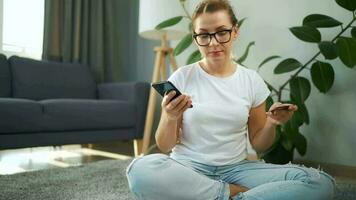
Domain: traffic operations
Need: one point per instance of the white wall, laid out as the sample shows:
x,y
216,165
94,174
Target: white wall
x,y
331,134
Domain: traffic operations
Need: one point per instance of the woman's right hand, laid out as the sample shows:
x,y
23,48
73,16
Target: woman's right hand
x,y
175,108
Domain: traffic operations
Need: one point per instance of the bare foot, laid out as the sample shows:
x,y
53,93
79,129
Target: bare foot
x,y
235,189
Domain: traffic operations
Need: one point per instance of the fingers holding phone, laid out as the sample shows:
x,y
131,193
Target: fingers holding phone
x,y
175,106
280,113
167,98
182,104
282,107
174,102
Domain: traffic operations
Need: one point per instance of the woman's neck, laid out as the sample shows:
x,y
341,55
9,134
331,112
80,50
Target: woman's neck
x,y
221,68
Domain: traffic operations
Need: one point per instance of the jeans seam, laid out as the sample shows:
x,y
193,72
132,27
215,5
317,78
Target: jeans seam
x,y
329,176
223,192
278,166
128,169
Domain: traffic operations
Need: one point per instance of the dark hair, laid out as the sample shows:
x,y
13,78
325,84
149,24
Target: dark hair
x,y
210,6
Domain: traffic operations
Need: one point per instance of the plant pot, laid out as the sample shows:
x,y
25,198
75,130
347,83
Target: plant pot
x,y
279,155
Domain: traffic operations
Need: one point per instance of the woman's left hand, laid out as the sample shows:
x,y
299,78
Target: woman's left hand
x,y
280,116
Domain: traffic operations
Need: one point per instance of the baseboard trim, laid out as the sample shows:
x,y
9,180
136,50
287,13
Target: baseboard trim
x,y
332,169
335,170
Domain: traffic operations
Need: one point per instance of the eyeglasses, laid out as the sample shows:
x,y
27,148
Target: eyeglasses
x,y
204,39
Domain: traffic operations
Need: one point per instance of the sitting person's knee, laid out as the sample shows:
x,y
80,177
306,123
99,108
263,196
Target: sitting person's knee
x,y
140,164
146,166
327,184
143,171
297,173
322,181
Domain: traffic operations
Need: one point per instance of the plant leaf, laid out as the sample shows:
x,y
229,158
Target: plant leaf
x,y
269,102
244,56
306,33
304,112
287,65
353,32
240,22
322,76
293,135
290,129
328,49
183,44
320,21
300,143
194,57
347,50
347,4
287,144
267,60
169,22
299,89
297,120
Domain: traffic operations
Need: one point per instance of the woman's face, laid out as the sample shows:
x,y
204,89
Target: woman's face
x,y
211,23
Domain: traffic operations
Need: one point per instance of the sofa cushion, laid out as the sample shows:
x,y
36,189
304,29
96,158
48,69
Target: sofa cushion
x,y
20,115
40,80
28,116
75,114
5,77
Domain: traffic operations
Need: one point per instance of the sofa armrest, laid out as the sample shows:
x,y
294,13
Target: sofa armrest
x,y
134,92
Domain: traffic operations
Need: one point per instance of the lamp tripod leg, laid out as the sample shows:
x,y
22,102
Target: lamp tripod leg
x,y
172,60
159,73
151,105
163,67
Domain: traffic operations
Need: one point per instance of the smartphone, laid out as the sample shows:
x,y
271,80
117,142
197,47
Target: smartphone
x,y
164,87
282,107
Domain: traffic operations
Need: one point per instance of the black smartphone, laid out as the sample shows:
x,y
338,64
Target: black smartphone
x,y
164,87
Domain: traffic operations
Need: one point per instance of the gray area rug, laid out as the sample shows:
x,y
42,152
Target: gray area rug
x,y
102,180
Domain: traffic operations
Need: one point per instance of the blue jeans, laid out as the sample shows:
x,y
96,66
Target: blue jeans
x,y
159,177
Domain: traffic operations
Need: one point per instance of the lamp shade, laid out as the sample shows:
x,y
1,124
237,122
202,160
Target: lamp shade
x,y
153,12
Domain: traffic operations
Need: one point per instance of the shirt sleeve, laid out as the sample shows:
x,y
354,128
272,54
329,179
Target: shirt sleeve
x,y
260,90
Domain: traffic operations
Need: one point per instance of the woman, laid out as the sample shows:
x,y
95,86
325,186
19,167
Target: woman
x,y
208,141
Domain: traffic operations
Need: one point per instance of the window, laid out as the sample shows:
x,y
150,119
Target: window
x,y
21,25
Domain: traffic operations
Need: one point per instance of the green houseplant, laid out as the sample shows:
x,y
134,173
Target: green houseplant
x,y
288,136
322,75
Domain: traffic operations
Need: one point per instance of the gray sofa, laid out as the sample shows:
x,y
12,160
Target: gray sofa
x,y
48,103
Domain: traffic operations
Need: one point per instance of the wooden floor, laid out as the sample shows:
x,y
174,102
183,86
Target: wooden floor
x,y
38,158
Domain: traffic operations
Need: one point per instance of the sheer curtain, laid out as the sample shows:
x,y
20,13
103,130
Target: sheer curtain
x,y
87,32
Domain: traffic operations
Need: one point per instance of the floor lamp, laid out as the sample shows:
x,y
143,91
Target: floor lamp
x,y
153,12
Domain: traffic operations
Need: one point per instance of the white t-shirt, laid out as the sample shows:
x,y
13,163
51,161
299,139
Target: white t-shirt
x,y
214,131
